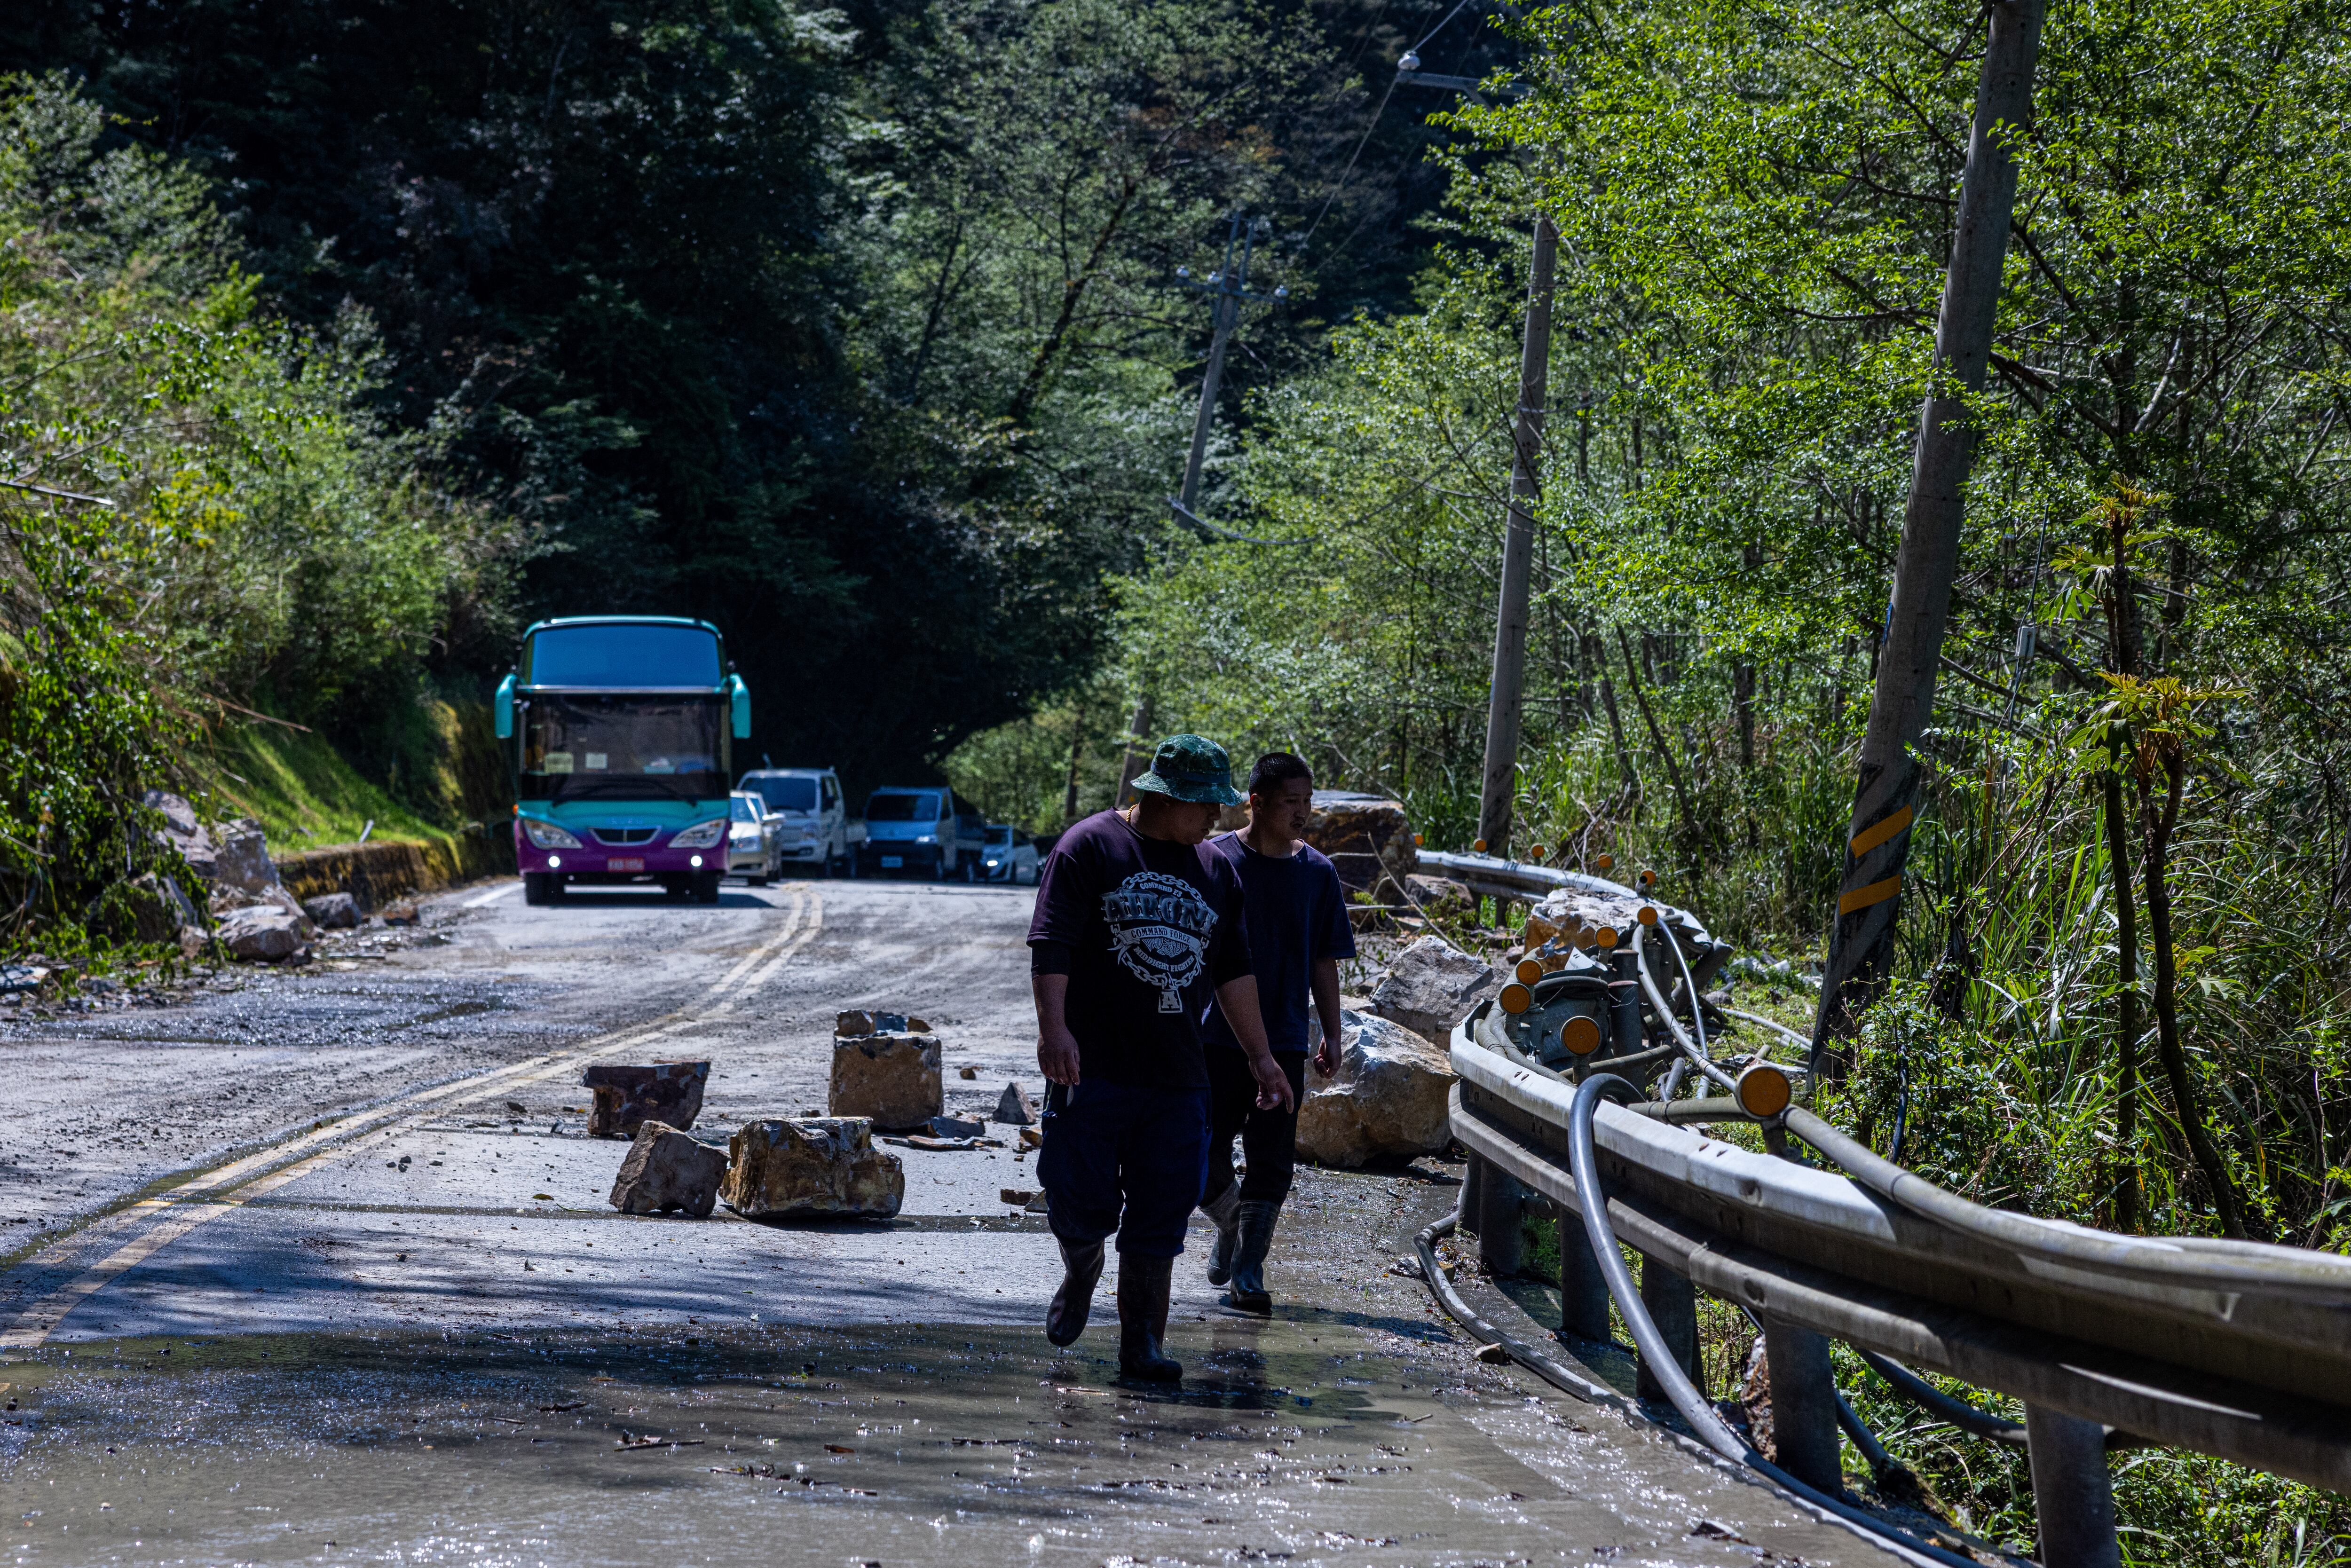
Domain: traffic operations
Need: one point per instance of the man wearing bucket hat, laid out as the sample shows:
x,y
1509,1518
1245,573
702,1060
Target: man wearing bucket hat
x,y
1137,923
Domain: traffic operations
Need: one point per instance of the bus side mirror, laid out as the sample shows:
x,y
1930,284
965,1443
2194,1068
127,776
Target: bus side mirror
x,y
741,695
504,709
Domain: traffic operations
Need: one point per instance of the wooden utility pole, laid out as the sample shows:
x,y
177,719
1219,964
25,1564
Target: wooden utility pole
x,y
1877,842
1228,287
1502,707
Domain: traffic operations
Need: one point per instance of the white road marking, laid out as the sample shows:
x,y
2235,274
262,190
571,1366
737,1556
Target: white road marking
x,y
492,896
226,1189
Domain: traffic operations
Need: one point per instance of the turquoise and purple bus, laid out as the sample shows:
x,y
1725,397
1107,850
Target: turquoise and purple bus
x,y
619,733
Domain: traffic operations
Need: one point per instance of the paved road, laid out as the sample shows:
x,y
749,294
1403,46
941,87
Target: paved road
x,y
318,1267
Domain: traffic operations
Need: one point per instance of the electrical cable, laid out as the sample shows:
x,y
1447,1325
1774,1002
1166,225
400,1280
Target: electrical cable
x,y
1583,1161
1341,184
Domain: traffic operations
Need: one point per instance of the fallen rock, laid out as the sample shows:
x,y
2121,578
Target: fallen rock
x,y
1018,1196
790,1167
1431,987
241,858
891,1080
1388,1096
1030,1138
667,1171
1014,1108
967,1073
1367,837
957,1127
333,911
402,912
261,932
184,831
848,1026
159,909
1439,895
669,1092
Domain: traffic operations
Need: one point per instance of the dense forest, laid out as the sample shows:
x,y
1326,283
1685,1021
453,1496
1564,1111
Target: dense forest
x,y
343,336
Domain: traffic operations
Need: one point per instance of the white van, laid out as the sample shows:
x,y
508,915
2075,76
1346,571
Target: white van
x,y
817,837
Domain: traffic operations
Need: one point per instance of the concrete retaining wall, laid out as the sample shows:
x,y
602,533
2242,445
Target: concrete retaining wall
x,y
377,874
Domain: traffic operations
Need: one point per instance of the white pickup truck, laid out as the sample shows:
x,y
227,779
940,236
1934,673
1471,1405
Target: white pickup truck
x,y
818,836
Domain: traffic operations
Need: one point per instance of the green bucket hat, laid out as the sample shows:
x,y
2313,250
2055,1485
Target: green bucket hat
x,y
1191,767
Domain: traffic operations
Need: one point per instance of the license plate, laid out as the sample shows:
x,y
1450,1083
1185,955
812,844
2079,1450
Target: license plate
x,y
625,862
890,863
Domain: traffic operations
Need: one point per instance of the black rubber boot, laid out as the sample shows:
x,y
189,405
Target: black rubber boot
x,y
1065,1317
1143,1284
1254,1229
1221,1210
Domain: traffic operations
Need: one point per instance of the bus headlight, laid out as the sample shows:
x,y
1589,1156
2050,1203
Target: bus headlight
x,y
700,836
546,835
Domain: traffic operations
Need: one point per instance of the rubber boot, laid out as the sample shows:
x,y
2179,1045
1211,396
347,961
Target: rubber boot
x,y
1254,1226
1081,1267
1220,1211
1142,1285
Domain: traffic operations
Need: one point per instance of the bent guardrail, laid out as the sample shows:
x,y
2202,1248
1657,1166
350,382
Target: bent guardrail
x,y
2239,1350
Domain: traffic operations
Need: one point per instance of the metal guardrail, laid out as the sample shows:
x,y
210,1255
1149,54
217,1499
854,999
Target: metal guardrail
x,y
2238,1350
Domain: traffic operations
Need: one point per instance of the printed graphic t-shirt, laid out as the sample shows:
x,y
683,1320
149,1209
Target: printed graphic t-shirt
x,y
1150,929
1297,913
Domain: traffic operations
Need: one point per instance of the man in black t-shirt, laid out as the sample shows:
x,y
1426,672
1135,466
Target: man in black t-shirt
x,y
1136,924
1298,931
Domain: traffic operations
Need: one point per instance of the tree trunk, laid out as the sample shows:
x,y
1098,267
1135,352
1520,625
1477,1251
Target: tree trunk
x,y
2158,821
1077,751
1877,842
1617,732
2128,1184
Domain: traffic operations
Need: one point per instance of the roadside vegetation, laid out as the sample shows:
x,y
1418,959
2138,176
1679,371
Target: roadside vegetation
x,y
332,353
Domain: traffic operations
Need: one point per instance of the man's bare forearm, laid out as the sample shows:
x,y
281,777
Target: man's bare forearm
x,y
1052,993
1325,984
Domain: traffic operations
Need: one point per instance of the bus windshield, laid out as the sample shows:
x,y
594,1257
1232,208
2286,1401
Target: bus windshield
x,y
622,747
623,655
893,808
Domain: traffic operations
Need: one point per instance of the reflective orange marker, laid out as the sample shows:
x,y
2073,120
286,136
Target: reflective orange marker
x,y
1478,845
1580,1035
1604,937
1516,998
1606,863
1538,852
1529,970
1763,1091
1649,916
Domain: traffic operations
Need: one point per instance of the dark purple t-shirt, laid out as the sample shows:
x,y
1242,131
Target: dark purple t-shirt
x,y
1149,928
1297,917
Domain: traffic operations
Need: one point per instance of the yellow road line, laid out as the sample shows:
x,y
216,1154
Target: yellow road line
x,y
34,1326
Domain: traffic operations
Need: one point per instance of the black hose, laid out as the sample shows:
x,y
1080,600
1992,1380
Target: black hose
x,y
1704,1421
1942,1406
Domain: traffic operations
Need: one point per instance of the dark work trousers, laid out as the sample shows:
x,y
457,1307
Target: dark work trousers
x,y
1269,1138
1126,1158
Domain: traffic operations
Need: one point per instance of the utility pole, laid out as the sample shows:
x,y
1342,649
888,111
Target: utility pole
x,y
1877,839
1228,287
1518,552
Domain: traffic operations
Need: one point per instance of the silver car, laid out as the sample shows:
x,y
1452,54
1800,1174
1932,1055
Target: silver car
x,y
1010,855
753,840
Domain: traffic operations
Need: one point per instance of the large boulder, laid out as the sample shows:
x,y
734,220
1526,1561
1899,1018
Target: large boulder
x,y
1431,985
242,859
891,1080
1388,1097
628,1097
184,831
263,933
800,1167
1367,837
334,911
667,1171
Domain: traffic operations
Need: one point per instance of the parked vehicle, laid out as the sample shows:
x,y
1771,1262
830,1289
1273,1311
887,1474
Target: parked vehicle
x,y
818,835
620,732
753,838
922,828
1010,855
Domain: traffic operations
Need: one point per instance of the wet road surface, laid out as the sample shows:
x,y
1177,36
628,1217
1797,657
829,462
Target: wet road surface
x,y
328,1276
